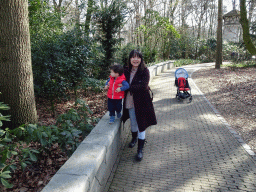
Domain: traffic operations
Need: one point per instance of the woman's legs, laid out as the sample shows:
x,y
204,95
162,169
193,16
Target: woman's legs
x,y
136,133
134,127
141,142
142,135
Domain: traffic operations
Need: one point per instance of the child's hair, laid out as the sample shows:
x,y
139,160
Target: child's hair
x,y
117,69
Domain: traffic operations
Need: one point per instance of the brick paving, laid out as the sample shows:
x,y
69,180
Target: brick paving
x,y
190,149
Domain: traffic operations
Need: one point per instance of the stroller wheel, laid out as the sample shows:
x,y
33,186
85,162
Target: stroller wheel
x,y
190,99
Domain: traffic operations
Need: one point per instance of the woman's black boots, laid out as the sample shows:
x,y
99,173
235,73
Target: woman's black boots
x,y
140,148
134,139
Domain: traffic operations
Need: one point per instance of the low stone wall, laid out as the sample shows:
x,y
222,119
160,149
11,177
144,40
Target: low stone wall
x,y
93,163
159,68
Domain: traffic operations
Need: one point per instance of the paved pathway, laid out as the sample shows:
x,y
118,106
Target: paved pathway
x,y
190,149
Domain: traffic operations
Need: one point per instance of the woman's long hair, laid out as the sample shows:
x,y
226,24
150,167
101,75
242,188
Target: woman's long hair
x,y
137,53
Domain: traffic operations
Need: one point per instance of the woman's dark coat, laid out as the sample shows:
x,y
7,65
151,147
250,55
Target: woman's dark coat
x,y
144,110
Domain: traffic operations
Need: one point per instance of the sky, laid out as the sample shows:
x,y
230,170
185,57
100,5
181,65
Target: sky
x,y
229,6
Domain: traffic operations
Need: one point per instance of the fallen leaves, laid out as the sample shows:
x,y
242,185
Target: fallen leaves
x,y
37,175
232,92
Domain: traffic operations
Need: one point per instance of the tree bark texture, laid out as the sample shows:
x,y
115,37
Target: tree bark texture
x,y
88,17
16,76
245,25
219,37
172,9
251,8
77,16
137,17
203,9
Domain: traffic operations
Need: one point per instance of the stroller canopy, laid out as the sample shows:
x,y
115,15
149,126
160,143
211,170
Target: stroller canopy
x,y
181,72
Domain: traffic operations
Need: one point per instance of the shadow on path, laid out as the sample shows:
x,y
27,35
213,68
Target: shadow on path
x,y
190,149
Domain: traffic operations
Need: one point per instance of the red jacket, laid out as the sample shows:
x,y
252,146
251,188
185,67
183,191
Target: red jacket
x,y
113,85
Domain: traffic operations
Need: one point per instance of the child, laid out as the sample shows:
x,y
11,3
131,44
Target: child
x,y
116,85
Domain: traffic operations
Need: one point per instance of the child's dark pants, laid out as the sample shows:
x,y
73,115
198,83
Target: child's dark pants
x,y
114,105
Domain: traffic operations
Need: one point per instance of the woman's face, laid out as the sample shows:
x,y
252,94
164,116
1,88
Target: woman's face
x,y
135,61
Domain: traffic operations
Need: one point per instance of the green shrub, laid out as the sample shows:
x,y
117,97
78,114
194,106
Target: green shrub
x,y
59,64
182,62
94,85
148,54
4,151
122,54
241,64
72,124
68,131
12,152
235,52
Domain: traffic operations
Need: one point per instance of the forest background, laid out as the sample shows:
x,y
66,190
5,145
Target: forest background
x,y
73,43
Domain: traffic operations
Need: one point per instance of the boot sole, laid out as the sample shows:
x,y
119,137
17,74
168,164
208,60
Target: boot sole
x,y
132,145
139,159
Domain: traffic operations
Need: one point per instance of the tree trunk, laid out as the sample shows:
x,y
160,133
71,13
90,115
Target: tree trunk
x,y
202,12
77,16
212,20
137,17
183,13
251,8
172,10
16,76
219,37
57,8
88,17
245,25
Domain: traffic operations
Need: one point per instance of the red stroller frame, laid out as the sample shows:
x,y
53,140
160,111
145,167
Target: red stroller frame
x,y
183,88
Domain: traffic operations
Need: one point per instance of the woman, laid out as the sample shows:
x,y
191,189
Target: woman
x,y
138,104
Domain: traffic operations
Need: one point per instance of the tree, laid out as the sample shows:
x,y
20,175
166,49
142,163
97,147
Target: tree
x,y
77,16
212,19
43,22
172,8
88,17
251,8
109,20
16,77
157,33
245,25
203,9
219,37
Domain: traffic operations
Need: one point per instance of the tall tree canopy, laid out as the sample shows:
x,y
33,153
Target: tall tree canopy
x,y
109,20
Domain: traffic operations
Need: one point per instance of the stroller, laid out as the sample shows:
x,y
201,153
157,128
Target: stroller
x,y
181,82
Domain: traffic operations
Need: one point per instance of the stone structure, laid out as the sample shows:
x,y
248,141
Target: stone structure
x,y
232,29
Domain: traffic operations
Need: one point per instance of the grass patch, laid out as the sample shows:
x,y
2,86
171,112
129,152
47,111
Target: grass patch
x,y
182,62
242,64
